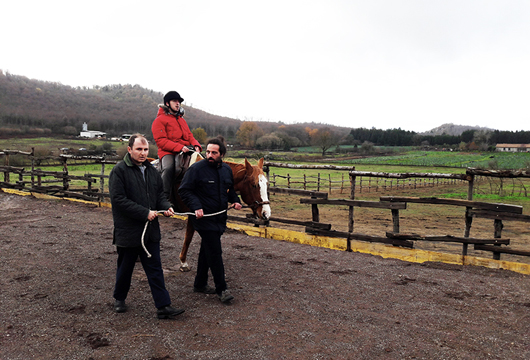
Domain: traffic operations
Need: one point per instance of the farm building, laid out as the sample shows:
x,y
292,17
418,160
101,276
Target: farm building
x,y
513,147
91,133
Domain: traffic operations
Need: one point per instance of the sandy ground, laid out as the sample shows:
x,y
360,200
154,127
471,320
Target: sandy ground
x,y
291,301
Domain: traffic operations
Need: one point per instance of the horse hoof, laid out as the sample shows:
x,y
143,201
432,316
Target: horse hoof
x,y
184,268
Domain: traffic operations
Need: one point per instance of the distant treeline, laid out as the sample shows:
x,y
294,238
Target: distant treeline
x,y
399,137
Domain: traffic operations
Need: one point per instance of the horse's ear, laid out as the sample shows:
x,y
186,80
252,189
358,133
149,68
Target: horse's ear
x,y
260,163
249,167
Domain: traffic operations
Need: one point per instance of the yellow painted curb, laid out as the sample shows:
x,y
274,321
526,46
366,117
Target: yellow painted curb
x,y
50,197
377,249
16,192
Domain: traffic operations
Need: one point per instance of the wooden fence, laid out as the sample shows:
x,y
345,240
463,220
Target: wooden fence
x,y
58,183
474,209
365,182
38,180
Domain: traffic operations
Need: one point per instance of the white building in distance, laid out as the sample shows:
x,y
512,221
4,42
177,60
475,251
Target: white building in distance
x,y
513,147
91,133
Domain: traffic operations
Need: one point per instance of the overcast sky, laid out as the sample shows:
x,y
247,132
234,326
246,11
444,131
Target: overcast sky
x,y
414,64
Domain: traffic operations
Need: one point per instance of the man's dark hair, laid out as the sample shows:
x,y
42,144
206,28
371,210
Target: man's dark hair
x,y
218,141
134,137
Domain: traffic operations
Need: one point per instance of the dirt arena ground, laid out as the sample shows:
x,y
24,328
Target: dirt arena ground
x,y
291,301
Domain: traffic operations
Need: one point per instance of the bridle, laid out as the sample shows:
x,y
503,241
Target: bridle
x,y
256,204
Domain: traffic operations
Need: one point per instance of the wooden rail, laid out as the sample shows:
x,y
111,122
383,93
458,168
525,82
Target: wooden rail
x,y
474,209
515,209
37,177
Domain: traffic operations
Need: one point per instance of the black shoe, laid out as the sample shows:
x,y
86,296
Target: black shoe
x,y
168,311
225,296
119,306
205,290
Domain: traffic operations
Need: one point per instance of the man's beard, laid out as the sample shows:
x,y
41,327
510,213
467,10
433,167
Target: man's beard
x,y
214,163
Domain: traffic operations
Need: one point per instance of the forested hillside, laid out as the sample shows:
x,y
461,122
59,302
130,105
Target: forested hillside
x,y
40,107
31,107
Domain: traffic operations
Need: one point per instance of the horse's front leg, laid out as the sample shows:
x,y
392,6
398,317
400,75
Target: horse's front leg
x,y
185,246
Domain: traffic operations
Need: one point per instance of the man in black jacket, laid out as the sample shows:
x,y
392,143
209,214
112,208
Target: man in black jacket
x,y
137,195
206,189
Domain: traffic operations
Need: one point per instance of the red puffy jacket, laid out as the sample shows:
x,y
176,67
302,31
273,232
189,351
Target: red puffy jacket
x,y
171,133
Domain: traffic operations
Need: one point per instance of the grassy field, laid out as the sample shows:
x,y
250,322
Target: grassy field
x,y
484,160
405,160
54,144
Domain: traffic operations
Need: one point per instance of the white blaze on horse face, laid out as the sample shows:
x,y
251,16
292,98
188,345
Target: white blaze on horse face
x,y
266,209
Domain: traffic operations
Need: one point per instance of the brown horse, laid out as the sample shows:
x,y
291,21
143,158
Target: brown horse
x,y
251,183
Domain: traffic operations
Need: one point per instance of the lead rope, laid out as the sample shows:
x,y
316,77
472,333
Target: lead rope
x,y
182,214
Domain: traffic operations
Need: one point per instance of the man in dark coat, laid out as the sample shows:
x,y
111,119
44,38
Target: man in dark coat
x,y
137,195
206,189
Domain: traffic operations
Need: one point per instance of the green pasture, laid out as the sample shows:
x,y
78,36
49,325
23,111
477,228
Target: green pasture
x,y
54,144
403,161
453,159
402,157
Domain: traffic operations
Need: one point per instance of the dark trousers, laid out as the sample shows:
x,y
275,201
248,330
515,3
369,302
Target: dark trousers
x,y
210,257
152,267
172,167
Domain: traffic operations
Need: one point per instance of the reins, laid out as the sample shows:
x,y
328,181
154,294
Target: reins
x,y
182,214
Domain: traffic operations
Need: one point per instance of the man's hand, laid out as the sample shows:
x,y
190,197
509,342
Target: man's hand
x,y
169,212
199,213
152,215
197,148
237,206
185,149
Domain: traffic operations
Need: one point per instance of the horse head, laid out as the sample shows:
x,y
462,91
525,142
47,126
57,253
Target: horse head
x,y
251,183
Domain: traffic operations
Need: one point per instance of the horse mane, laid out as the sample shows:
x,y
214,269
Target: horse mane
x,y
246,171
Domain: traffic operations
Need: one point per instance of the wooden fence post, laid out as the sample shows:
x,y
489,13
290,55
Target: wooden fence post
x,y
470,187
6,173
351,220
65,175
315,215
102,181
395,220
497,223
32,167
469,218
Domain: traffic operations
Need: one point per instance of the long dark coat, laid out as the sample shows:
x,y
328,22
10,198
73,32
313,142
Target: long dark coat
x,y
132,197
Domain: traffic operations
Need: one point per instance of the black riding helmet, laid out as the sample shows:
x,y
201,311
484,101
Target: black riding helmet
x,y
172,95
